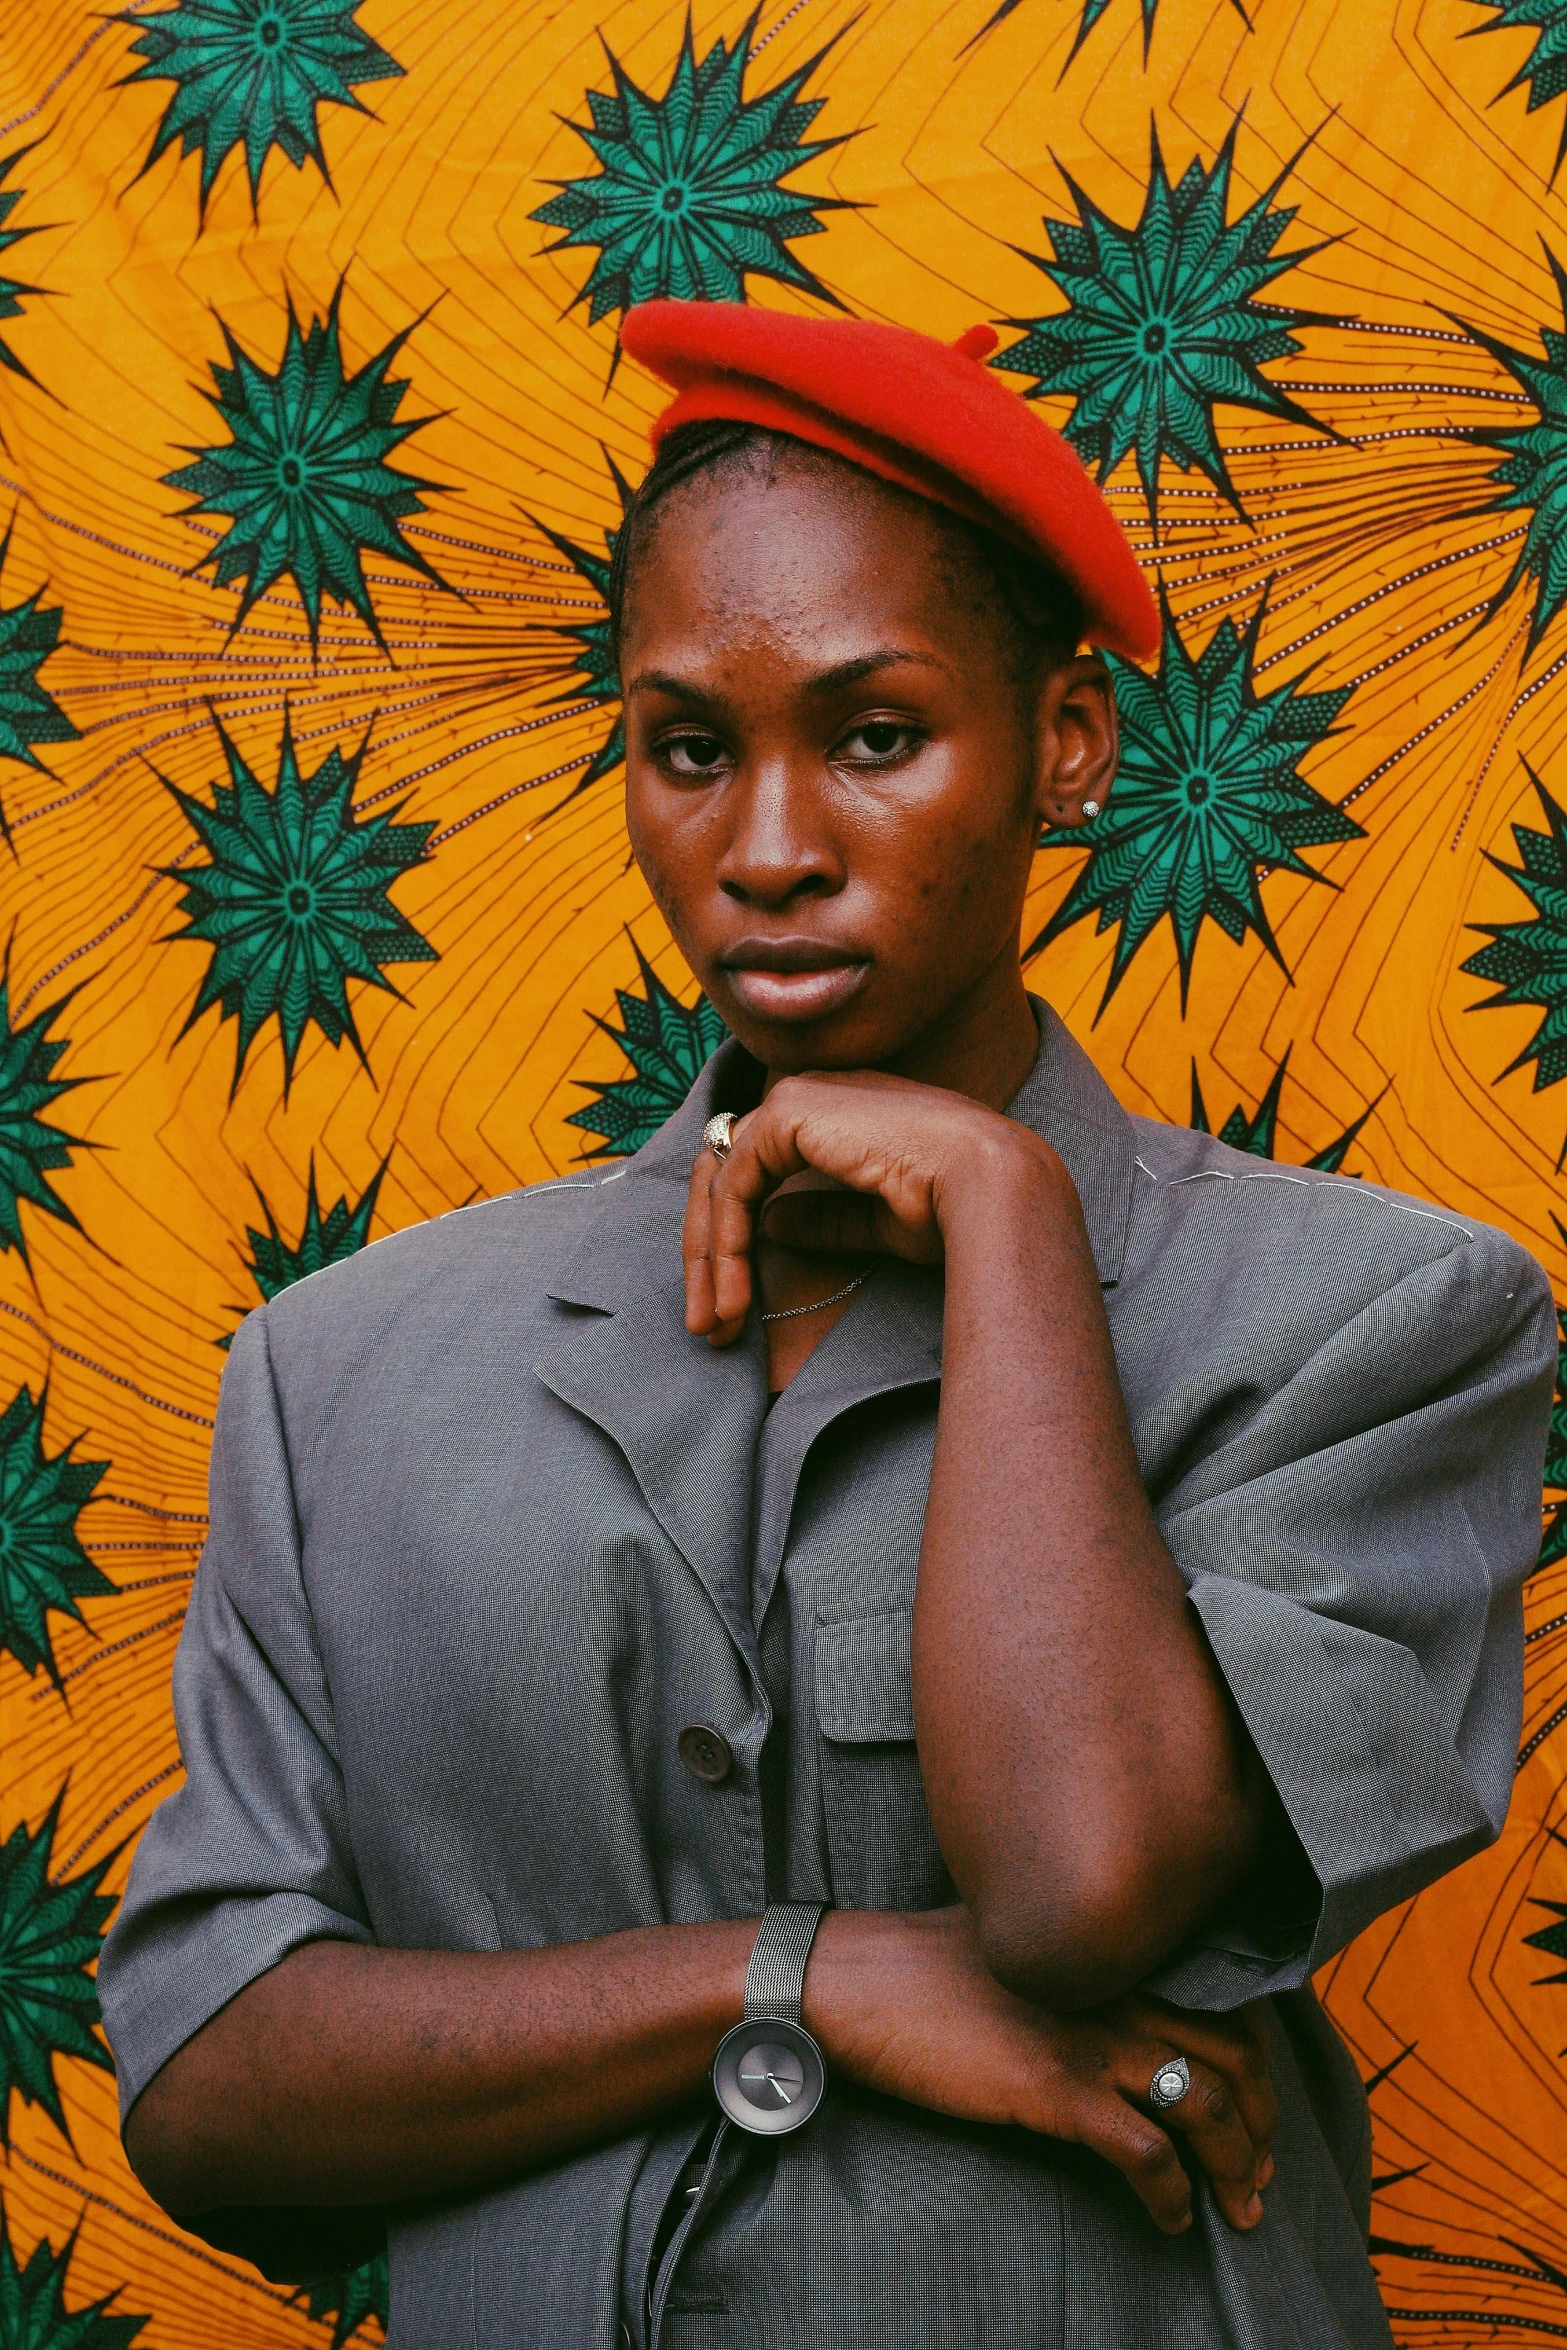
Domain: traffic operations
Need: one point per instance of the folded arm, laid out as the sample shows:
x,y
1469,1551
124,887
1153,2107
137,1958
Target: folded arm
x,y
351,2075
1090,1782
1091,1786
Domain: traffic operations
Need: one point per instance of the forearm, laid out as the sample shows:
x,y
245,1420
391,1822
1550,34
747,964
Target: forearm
x,y
1089,1784
351,2075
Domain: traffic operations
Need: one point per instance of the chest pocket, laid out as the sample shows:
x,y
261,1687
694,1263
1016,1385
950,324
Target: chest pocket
x,y
880,1842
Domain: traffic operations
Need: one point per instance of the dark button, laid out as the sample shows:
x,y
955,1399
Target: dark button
x,y
705,1753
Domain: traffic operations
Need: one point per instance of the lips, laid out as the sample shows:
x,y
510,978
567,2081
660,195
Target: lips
x,y
793,978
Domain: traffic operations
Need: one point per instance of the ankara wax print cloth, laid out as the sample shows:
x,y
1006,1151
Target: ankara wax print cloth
x,y
319,918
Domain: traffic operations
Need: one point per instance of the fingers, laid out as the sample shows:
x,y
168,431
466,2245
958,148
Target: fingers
x,y
1235,2047
722,1204
1240,2056
884,1141
695,1241
764,1153
1210,2121
1144,2154
824,1223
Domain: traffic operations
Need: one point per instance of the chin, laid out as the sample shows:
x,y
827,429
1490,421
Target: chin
x,y
844,1040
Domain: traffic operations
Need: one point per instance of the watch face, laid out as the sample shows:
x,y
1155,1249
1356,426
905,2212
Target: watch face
x,y
768,2076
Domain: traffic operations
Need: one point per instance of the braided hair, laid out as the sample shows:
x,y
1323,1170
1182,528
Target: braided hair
x,y
1043,612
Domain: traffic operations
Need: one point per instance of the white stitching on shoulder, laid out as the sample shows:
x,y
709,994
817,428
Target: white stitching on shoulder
x,y
1347,1186
1147,1170
1427,1214
516,1198
506,1199
1344,1185
615,1178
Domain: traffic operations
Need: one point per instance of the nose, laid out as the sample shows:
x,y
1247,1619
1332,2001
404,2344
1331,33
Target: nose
x,y
780,847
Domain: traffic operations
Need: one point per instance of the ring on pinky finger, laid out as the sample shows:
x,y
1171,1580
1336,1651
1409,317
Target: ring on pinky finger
x,y
1170,2083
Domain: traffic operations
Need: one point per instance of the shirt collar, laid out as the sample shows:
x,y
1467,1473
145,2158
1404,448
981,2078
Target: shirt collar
x,y
1063,1099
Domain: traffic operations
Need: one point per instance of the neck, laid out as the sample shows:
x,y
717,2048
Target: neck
x,y
982,1045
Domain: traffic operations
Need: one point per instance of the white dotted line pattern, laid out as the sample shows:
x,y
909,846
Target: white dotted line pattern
x,y
98,938
67,69
1431,726
1411,391
1485,767
777,29
116,1378
170,1771
126,1501
101,1655
1442,628
238,2276
551,775
1405,579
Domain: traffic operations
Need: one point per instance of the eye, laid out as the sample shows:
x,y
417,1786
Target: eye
x,y
694,753
877,742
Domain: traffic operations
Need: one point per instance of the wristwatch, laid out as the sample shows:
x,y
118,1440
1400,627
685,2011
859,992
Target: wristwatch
x,y
768,2075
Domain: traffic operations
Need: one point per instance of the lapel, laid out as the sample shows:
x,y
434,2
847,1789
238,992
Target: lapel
x,y
686,1417
889,1338
684,1414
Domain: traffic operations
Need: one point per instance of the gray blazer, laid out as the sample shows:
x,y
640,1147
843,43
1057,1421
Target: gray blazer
x,y
489,1528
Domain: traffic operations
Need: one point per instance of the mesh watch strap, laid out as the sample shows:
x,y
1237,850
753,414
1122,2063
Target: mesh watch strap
x,y
775,1978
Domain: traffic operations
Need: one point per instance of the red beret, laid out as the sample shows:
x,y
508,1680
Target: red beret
x,y
927,415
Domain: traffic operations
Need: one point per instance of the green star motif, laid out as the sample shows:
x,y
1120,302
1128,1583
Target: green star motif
x,y
594,674
304,478
324,1240
42,1564
1207,799
251,74
1093,10
1551,1939
688,201
294,901
1162,323
362,2297
49,1937
33,2315
29,633
1259,1135
13,288
1527,961
31,1149
1532,477
1545,67
668,1046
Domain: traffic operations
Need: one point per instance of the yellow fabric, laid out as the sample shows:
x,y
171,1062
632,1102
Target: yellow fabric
x,y
1421,164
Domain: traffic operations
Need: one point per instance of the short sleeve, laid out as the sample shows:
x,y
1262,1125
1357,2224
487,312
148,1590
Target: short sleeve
x,y
251,1857
1356,1549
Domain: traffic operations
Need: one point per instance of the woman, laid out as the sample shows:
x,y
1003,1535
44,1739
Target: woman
x,y
1063,1573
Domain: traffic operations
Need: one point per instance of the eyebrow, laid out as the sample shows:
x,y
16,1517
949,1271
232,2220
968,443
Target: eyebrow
x,y
826,681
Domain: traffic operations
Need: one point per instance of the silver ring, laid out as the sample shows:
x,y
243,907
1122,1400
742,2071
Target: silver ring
x,y
1171,2082
718,1135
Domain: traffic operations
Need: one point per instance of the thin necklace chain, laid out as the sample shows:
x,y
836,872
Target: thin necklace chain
x,y
788,1313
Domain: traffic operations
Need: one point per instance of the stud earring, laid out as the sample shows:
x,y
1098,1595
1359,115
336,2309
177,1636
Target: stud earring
x,y
1090,809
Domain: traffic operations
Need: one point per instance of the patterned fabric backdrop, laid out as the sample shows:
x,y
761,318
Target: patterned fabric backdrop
x,y
319,919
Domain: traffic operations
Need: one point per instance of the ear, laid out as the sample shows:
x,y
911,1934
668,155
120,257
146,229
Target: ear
x,y
1077,742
